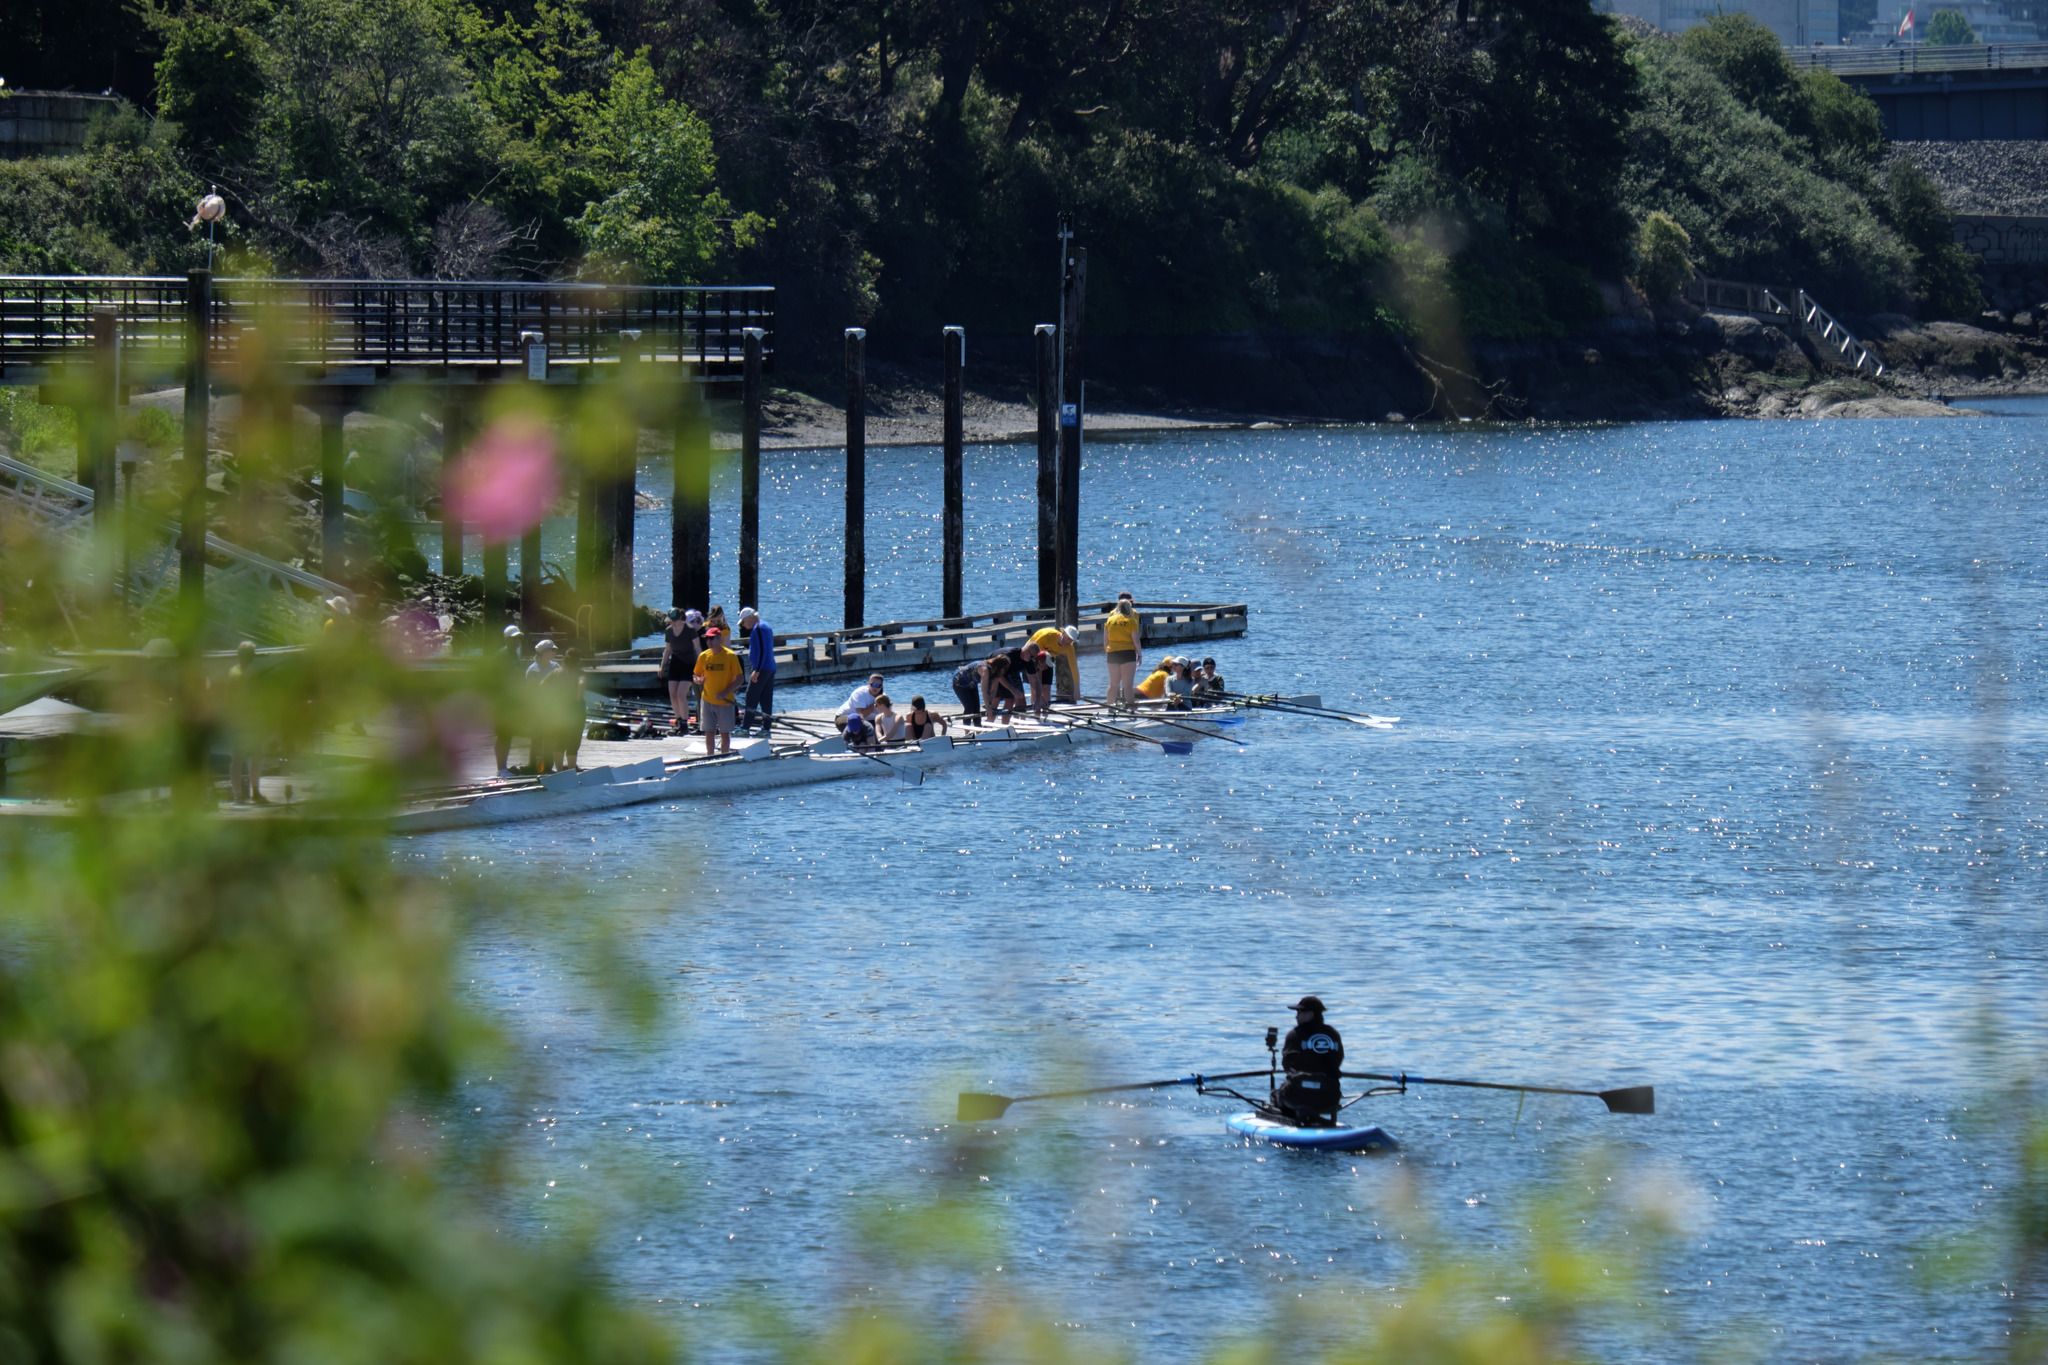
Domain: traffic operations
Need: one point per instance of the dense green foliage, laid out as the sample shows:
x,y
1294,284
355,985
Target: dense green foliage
x,y
1770,174
1950,29
1473,165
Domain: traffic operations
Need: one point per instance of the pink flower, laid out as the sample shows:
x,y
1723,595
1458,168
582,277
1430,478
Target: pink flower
x,y
506,481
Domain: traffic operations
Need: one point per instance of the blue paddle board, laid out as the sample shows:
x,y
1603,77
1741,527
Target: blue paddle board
x,y
1313,1139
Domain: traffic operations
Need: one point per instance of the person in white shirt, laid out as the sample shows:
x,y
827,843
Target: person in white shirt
x,y
862,702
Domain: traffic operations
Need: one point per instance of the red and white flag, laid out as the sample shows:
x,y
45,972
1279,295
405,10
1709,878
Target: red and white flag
x,y
1906,25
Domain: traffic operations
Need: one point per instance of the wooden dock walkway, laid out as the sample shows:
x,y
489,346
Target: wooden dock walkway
x,y
944,642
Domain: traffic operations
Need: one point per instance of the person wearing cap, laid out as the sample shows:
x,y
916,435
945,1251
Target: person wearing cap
x,y
506,665
544,749
1208,681
718,678
1063,666
680,640
760,708
1312,1056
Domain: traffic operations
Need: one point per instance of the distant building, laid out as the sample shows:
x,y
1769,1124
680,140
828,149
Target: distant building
x,y
1996,21
1798,23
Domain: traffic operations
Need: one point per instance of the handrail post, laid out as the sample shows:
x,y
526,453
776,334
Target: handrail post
x,y
192,508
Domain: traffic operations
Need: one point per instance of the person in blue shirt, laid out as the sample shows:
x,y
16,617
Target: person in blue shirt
x,y
760,701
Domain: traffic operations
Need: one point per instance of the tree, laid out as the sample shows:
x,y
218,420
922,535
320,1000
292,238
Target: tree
x,y
1945,273
210,83
1950,29
666,222
1663,260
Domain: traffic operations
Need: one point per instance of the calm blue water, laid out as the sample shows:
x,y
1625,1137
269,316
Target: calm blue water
x,y
1721,768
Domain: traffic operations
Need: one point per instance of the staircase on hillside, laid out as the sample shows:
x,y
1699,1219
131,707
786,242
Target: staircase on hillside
x,y
248,596
1809,319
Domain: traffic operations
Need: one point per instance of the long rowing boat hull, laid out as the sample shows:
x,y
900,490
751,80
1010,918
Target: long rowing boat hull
x,y
1313,1139
602,789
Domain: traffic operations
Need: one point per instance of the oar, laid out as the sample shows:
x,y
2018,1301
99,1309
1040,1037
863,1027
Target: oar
x,y
1319,712
1171,746
1162,720
981,1108
1634,1099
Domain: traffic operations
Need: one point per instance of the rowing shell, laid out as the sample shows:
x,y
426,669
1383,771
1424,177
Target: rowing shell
x,y
758,765
1338,1139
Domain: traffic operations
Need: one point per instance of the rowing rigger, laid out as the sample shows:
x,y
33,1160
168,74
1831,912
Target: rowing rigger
x,y
1267,1122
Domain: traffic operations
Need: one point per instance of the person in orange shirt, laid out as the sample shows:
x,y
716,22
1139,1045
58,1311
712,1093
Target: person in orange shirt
x,y
718,673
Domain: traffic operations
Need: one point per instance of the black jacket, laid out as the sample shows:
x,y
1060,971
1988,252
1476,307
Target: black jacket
x,y
1315,1049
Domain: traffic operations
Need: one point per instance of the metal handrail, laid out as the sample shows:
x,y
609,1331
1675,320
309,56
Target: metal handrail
x,y
1913,58
341,323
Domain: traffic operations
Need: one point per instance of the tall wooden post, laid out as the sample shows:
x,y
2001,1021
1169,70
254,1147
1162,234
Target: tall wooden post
x,y
192,483
955,481
454,436
333,493
750,469
691,503
621,501
1046,337
1073,295
856,475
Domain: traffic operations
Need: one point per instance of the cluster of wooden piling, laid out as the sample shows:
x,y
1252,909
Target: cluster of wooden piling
x,y
606,494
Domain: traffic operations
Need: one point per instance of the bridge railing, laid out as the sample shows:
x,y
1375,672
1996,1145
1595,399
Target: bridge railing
x,y
1912,58
46,319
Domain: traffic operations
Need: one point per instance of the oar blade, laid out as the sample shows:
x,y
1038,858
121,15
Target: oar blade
x,y
1177,746
983,1108
1634,1099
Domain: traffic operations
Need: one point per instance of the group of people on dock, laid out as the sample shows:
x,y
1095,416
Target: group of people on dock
x,y
713,687
556,713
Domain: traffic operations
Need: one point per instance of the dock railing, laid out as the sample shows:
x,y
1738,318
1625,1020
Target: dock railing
x,y
1830,335
1915,58
413,324
1758,301
897,646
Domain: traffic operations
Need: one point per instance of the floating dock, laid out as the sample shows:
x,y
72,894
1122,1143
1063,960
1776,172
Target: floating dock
x,y
943,642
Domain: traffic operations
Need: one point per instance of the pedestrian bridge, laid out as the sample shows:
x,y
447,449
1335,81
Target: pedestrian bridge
x,y
1979,91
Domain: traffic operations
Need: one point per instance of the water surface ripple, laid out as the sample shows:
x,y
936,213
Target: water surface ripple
x,y
1721,768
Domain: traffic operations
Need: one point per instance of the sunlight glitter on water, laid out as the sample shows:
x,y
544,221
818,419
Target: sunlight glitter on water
x,y
1721,768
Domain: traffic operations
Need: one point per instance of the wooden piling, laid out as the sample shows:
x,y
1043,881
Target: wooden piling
x,y
454,436
750,468
1073,295
954,344
333,492
690,503
1046,337
856,476
622,502
192,483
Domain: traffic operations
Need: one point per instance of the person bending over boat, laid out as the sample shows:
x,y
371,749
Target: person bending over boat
x,y
862,700
1027,662
1154,686
1059,653
1312,1056
971,682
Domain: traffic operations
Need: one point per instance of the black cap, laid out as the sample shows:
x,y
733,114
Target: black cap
x,y
1309,1002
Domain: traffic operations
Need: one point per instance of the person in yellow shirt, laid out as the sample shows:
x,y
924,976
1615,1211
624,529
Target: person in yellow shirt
x,y
1065,660
1124,649
1154,686
718,674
